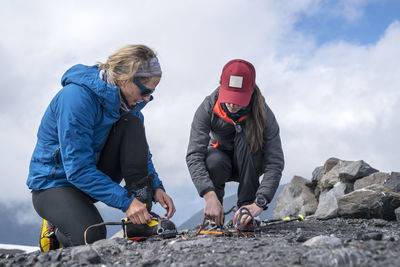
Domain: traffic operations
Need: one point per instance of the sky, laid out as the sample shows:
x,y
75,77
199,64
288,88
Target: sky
x,y
328,69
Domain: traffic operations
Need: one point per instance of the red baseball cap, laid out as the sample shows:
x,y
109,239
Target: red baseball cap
x,y
238,79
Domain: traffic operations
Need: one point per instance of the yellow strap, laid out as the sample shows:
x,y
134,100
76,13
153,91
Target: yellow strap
x,y
152,223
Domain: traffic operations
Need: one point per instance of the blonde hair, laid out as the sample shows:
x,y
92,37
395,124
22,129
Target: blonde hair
x,y
126,61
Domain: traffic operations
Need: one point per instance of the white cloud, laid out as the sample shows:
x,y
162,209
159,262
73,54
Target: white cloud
x,y
351,10
336,100
341,102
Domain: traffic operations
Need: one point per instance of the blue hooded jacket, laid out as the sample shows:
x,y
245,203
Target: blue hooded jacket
x,y
71,136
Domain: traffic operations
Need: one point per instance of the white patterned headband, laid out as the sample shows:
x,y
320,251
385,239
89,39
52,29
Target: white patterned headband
x,y
149,70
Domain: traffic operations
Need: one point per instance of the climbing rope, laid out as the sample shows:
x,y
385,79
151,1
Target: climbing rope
x,y
244,230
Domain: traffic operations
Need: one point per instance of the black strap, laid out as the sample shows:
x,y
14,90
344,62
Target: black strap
x,y
234,208
244,211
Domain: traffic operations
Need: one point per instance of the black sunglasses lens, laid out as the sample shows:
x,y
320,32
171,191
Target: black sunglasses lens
x,y
147,92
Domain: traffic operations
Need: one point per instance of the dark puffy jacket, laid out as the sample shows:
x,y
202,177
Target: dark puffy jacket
x,y
208,127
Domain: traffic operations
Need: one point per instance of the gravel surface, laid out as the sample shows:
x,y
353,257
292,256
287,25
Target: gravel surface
x,y
335,242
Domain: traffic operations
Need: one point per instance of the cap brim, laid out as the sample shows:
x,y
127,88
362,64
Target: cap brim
x,y
234,97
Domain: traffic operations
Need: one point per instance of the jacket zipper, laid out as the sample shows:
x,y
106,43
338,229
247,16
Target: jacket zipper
x,y
58,163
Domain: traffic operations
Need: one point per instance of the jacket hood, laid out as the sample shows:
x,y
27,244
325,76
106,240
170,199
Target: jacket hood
x,y
88,77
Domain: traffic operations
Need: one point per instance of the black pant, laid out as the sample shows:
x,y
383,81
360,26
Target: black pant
x,y
224,166
124,156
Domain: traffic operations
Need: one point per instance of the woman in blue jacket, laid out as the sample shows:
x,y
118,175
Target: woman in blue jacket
x,y
90,138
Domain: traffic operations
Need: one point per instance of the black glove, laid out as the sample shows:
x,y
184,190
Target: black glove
x,y
143,190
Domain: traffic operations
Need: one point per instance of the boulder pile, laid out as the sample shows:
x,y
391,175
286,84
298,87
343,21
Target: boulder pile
x,y
340,188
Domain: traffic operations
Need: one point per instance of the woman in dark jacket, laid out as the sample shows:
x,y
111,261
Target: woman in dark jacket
x,y
235,137
90,138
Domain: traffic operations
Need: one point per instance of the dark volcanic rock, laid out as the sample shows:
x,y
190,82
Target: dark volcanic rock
x,y
374,201
353,245
397,213
351,189
393,182
85,254
369,236
335,257
353,170
317,174
375,178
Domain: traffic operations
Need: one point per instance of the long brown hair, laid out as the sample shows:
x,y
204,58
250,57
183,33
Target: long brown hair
x,y
256,121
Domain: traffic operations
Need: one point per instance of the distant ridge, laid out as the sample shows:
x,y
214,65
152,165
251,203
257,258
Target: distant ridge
x,y
229,202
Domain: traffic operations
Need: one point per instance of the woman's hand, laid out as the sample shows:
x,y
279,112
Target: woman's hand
x,y
165,202
213,209
254,210
138,213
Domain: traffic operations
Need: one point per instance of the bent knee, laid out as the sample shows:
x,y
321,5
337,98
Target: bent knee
x,y
218,165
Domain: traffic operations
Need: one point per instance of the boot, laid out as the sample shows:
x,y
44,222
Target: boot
x,y
48,240
157,226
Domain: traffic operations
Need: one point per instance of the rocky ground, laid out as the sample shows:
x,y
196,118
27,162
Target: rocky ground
x,y
335,242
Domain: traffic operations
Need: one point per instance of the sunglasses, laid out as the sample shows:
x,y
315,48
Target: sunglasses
x,y
144,91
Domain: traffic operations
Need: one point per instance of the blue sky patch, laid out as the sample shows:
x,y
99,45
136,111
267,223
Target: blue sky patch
x,y
330,25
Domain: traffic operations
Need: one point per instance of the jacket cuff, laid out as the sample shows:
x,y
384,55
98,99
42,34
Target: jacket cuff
x,y
127,202
206,190
157,184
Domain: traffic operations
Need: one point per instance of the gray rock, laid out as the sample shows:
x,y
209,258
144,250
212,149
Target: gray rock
x,y
397,213
85,254
56,255
393,182
317,173
353,170
379,222
329,179
334,257
369,236
44,257
328,206
344,171
105,243
375,178
295,198
301,236
323,240
178,245
329,164
374,201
